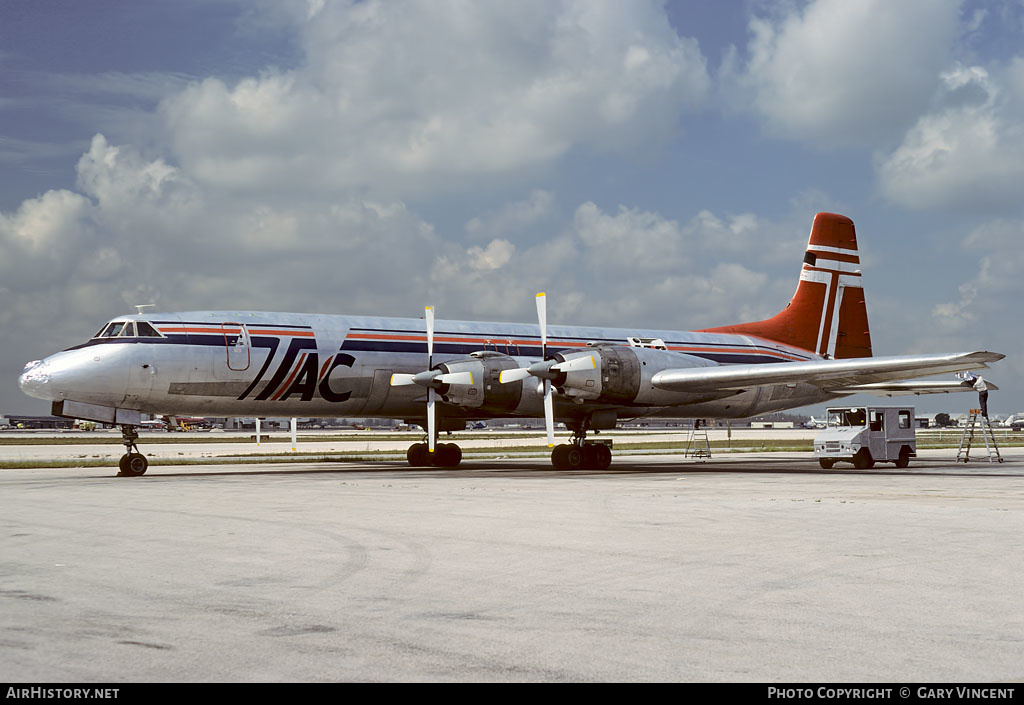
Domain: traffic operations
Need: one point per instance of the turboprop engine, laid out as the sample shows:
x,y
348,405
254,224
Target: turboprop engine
x,y
612,374
474,382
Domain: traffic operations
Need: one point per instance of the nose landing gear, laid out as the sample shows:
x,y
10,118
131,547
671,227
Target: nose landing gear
x,y
132,463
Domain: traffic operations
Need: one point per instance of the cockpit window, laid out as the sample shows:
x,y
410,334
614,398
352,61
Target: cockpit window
x,y
128,329
146,330
112,330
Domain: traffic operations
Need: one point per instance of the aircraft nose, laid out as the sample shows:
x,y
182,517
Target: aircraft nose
x,y
35,379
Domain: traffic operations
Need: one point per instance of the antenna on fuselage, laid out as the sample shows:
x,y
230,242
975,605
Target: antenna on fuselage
x,y
139,307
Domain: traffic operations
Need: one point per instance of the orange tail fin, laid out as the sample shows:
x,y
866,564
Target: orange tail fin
x,y
827,314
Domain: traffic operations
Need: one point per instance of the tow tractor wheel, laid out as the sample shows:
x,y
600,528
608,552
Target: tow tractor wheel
x,y
133,464
863,460
826,463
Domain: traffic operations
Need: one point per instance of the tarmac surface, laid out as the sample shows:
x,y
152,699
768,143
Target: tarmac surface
x,y
760,567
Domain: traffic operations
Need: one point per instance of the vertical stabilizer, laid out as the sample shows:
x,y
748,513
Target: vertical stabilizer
x,y
827,314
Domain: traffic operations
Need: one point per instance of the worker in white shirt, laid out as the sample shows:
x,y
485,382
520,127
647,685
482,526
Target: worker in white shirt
x,y
982,389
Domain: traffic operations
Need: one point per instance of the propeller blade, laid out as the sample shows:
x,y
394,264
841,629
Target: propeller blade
x,y
587,362
401,380
431,419
513,375
429,315
456,378
542,318
549,414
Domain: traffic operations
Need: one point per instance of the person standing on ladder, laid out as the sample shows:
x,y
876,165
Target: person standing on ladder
x,y
978,382
982,389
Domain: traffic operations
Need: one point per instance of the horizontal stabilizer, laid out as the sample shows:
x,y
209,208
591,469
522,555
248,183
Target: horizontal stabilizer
x,y
829,375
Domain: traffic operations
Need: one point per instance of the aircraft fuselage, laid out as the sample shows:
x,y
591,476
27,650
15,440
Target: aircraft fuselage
x,y
241,363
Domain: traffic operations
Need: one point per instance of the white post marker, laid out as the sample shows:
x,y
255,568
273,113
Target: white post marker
x,y
257,431
295,424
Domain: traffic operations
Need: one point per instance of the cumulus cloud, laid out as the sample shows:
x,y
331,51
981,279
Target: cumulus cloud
x,y
631,267
495,256
393,92
513,217
837,73
968,152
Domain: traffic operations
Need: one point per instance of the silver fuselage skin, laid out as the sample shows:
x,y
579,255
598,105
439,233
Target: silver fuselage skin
x,y
258,364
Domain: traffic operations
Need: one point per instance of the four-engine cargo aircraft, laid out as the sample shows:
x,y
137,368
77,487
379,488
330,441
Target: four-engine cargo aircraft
x,y
241,363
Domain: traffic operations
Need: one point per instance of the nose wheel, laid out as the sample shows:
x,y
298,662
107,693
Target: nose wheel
x,y
132,463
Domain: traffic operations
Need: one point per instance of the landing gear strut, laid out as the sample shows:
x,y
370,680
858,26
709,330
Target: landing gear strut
x,y
132,463
579,454
445,455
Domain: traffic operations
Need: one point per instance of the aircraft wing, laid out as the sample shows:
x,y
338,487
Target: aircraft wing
x,y
892,389
848,376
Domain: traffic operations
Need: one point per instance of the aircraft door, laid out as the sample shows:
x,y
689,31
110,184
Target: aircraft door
x,y
379,390
141,378
238,346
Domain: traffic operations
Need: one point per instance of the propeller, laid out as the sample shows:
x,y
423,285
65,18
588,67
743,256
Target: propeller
x,y
431,392
544,370
549,411
432,379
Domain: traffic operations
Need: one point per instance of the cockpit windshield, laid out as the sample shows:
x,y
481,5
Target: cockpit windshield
x,y
847,417
128,329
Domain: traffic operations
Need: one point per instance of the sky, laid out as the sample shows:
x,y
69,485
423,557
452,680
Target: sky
x,y
647,164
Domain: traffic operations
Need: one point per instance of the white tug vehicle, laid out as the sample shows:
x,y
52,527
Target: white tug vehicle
x,y
866,435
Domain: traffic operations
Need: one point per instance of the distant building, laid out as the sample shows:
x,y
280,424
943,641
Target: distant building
x,y
772,424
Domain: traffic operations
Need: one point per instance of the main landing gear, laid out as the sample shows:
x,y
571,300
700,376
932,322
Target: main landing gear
x,y
132,463
580,454
445,455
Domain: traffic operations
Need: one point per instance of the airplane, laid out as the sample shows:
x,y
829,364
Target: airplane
x,y
815,423
442,375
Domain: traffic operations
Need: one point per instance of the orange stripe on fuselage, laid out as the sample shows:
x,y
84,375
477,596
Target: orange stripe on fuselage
x,y
736,351
565,344
253,331
483,340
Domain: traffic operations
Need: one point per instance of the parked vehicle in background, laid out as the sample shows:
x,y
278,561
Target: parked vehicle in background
x,y
866,435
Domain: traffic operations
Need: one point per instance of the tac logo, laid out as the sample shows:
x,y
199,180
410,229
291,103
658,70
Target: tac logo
x,y
299,372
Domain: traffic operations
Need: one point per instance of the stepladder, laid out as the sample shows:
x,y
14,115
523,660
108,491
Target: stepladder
x,y
977,423
697,443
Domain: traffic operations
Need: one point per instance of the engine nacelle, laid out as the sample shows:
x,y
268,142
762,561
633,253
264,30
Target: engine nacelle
x,y
618,374
485,392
